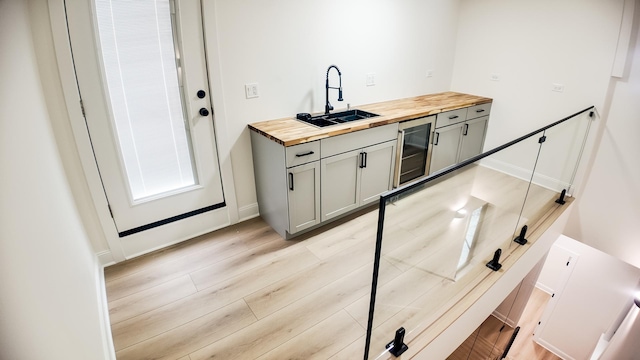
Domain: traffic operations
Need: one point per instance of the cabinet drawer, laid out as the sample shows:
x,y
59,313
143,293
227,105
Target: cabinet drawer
x,y
356,140
302,153
451,117
478,110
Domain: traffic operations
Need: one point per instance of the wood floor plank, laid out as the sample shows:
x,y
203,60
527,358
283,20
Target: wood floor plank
x,y
355,350
282,293
261,296
337,239
239,232
325,342
245,261
524,347
193,335
395,295
150,299
283,325
156,275
165,318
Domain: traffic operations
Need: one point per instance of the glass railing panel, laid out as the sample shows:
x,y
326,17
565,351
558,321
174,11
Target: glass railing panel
x,y
556,168
437,238
561,153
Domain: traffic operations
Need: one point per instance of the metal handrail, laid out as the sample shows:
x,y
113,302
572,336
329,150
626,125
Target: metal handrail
x,y
410,186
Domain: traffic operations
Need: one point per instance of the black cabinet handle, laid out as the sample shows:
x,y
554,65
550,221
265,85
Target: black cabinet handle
x,y
479,110
201,94
291,181
305,154
204,112
453,117
363,160
436,137
466,129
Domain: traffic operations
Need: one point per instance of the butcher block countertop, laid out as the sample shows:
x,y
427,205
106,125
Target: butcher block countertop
x,y
290,131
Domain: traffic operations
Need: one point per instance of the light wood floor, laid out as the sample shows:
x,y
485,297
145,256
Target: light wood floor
x,y
491,339
245,293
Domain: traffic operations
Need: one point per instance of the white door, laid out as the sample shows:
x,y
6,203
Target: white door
x,y
142,78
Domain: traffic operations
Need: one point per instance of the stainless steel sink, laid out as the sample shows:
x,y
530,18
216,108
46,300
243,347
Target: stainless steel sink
x,y
335,118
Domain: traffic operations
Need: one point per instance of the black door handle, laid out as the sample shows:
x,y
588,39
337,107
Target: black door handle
x,y
436,137
201,94
204,112
466,129
291,181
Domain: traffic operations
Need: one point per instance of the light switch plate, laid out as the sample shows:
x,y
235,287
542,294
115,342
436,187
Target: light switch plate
x,y
371,79
251,90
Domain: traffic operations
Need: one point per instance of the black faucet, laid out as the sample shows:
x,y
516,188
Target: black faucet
x,y
327,106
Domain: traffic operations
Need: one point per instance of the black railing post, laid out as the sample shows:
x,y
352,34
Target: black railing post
x,y
376,271
521,238
513,338
494,264
397,346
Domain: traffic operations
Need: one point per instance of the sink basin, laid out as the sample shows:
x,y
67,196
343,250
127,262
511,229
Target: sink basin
x,y
336,118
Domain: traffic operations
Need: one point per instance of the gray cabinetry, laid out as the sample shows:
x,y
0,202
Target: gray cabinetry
x,y
340,181
300,186
287,183
445,146
472,138
356,178
304,196
459,135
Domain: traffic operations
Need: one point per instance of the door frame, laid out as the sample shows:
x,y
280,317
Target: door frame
x,y
121,249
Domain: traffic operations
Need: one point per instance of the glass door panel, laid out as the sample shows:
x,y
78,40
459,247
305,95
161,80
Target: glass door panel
x,y
141,73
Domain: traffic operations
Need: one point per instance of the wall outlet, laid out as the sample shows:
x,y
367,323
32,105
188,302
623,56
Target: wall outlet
x,y
494,77
251,90
371,79
430,73
557,87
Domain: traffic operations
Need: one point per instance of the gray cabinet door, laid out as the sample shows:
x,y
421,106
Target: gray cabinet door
x,y
304,196
472,138
446,141
377,172
340,182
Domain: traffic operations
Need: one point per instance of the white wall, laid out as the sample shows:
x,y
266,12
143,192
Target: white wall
x,y
286,46
50,79
50,301
531,45
599,288
608,209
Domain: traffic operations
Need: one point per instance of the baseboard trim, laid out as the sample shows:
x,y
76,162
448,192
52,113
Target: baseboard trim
x,y
103,305
544,288
105,258
504,318
525,174
248,212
